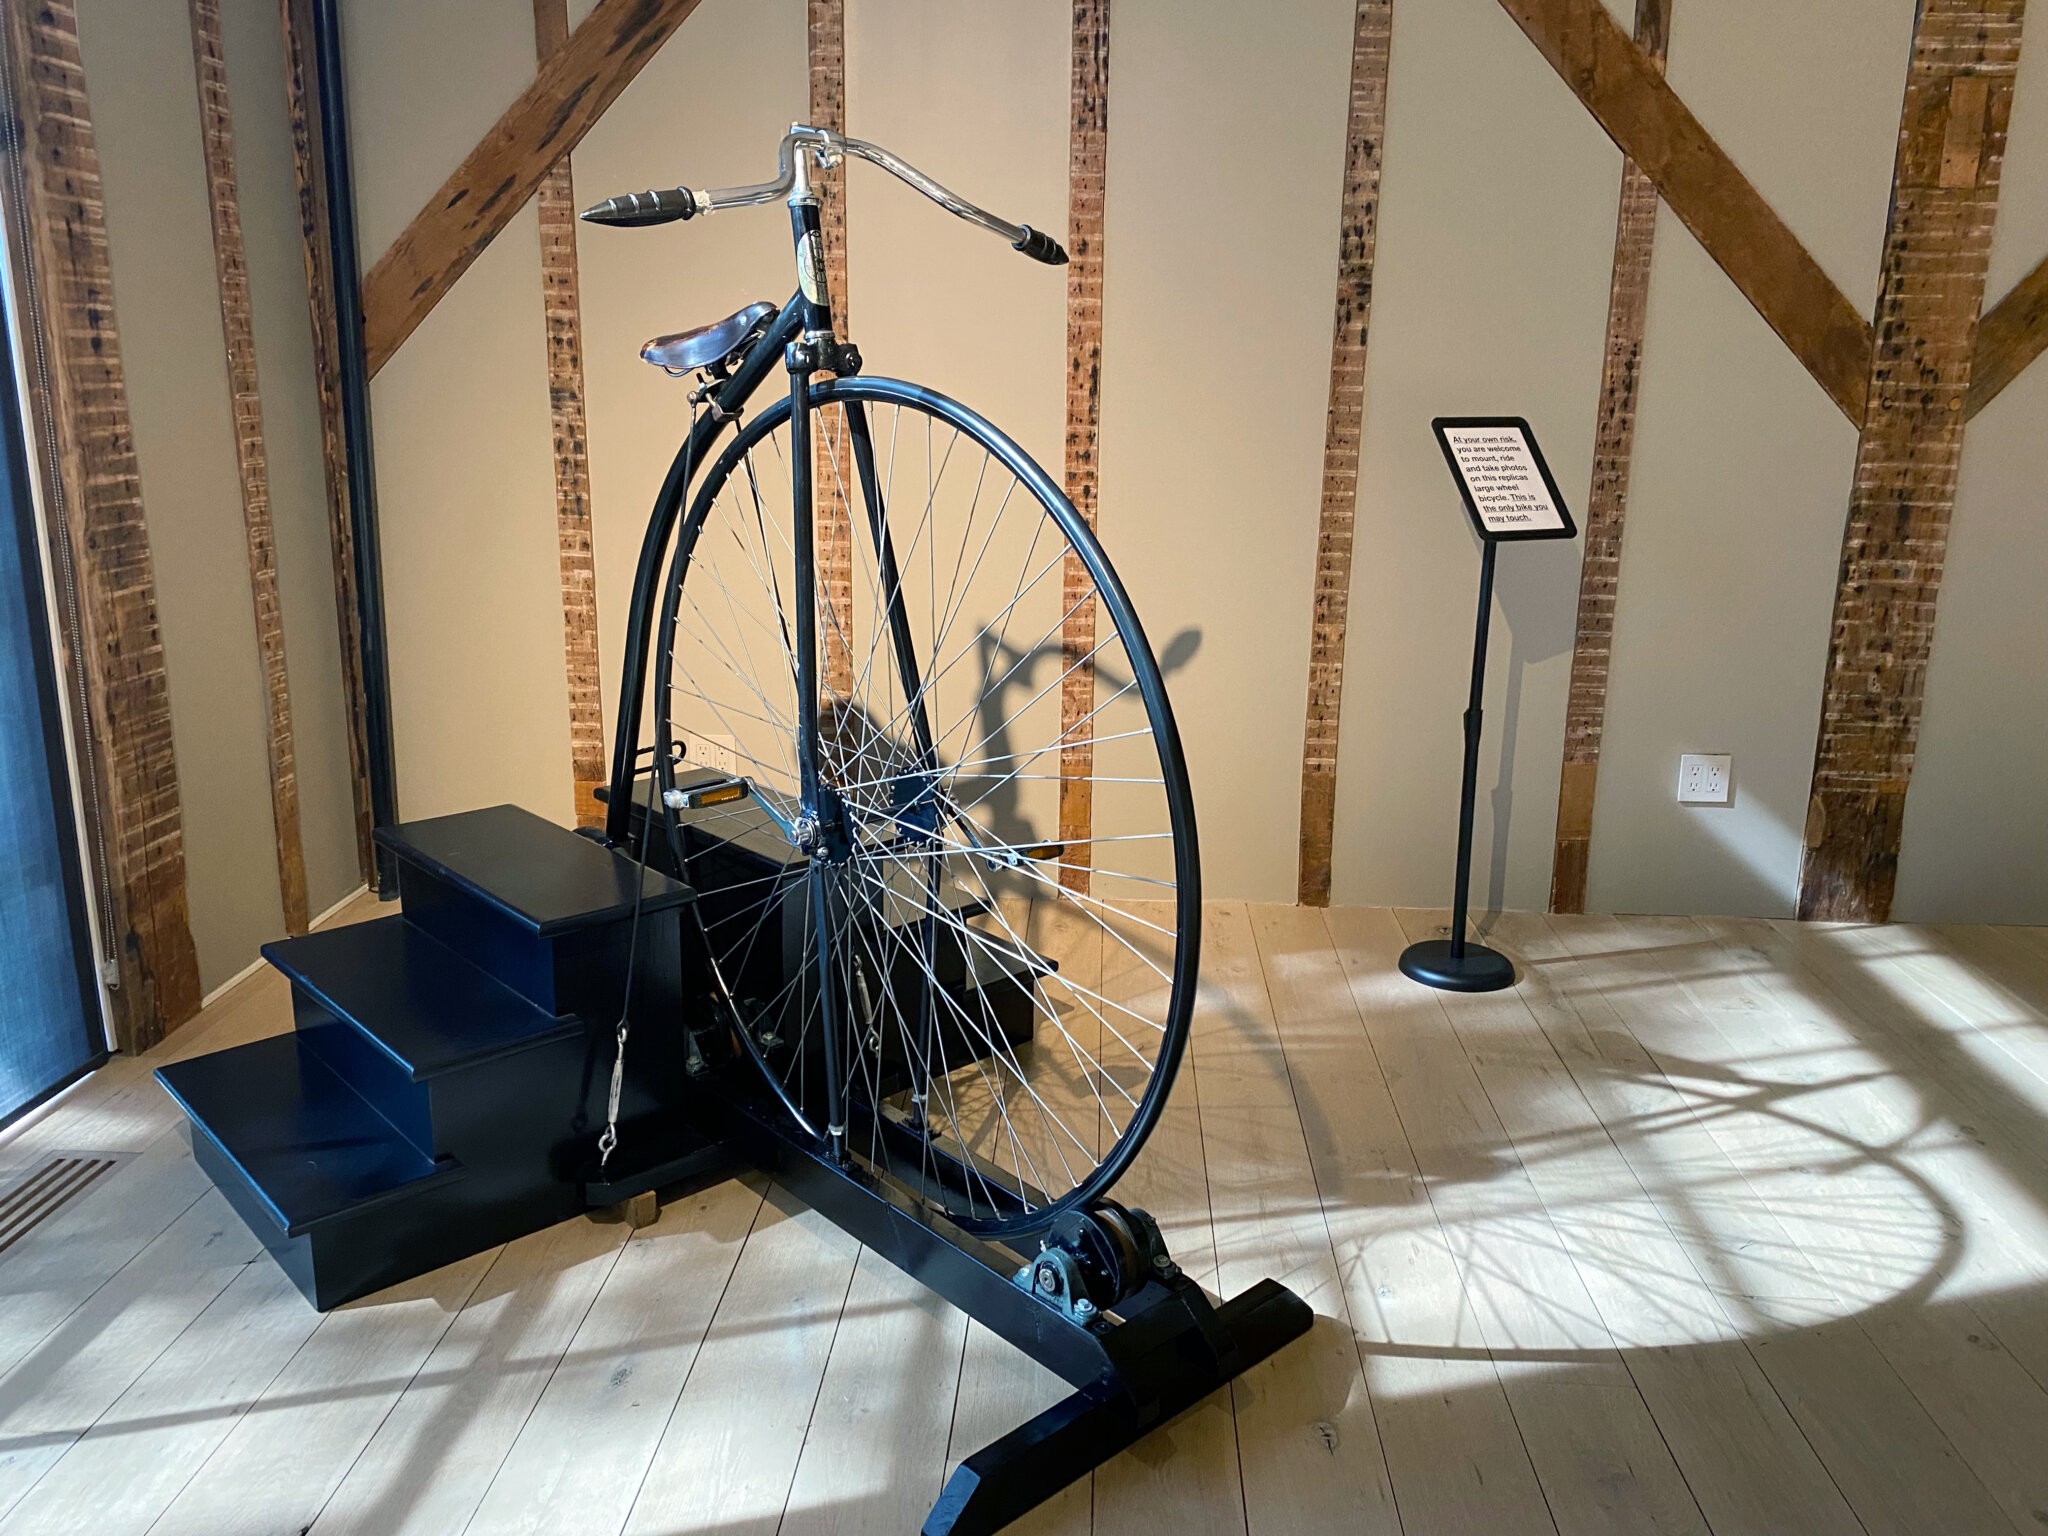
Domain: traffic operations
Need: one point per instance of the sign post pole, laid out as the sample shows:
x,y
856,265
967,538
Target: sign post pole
x,y
1510,497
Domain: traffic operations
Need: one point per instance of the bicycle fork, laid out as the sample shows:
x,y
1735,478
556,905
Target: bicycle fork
x,y
822,814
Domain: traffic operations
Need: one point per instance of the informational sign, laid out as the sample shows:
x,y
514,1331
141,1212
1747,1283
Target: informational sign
x,y
1501,474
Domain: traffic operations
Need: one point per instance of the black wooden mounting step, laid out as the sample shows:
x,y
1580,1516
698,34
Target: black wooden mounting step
x,y
309,1148
414,998
446,1071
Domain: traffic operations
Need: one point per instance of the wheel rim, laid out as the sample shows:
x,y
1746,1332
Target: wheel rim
x,y
1011,1004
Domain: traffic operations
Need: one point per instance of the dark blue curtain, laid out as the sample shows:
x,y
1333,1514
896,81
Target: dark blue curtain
x,y
49,1006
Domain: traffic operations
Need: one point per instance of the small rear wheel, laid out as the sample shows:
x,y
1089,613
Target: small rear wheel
x,y
1004,892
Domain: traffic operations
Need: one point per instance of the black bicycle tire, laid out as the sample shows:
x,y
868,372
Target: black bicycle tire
x,y
1152,690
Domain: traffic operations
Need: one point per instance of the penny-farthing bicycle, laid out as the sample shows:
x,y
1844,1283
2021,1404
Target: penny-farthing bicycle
x,y
913,752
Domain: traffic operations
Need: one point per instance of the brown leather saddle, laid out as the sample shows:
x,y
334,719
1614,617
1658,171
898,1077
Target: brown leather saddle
x,y
687,351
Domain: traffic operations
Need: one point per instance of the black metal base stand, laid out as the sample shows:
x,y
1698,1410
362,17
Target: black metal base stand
x,y
1452,964
1151,1356
1010,1476
1451,967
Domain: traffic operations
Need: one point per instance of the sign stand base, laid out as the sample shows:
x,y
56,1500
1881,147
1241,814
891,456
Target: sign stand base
x,y
1450,965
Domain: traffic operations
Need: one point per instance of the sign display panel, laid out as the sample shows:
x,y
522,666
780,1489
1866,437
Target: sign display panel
x,y
1500,471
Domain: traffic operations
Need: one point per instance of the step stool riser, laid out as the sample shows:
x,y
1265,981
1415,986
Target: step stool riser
x,y
342,1260
577,972
487,939
382,1083
524,1115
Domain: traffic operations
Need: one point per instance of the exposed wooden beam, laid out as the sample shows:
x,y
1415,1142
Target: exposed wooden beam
x,y
548,120
81,399
831,452
1087,179
1343,427
563,312
1937,249
302,106
238,329
1585,711
2009,337
1622,88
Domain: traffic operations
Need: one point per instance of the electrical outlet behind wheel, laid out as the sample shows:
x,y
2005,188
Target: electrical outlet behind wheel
x,y
718,753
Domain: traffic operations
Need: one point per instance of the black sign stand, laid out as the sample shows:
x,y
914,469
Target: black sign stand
x,y
1455,964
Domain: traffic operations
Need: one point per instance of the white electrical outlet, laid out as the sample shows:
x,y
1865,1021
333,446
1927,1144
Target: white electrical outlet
x,y
1705,778
718,753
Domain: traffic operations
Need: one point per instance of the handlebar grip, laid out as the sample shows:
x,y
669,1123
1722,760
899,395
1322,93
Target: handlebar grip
x,y
633,209
1037,245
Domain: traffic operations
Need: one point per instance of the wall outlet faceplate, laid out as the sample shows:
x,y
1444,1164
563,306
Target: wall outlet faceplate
x,y
718,753
1706,778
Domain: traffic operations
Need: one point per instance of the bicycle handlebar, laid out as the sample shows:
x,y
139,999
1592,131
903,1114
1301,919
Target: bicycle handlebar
x,y
637,208
668,206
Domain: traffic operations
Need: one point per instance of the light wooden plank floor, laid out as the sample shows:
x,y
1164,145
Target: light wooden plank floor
x,y
1708,1226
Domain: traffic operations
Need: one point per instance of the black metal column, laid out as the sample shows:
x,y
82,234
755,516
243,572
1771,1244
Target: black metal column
x,y
1454,964
357,443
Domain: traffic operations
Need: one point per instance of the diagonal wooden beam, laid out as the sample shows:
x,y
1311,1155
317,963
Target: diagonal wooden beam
x,y
1614,432
1358,217
1087,183
563,313
2011,335
1937,248
568,95
1620,85
238,330
99,535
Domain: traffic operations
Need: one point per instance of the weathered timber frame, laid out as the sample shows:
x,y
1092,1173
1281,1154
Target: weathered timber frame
x,y
1625,91
831,449
1343,429
2010,336
1087,182
1937,249
563,314
569,94
1585,713
231,272
79,394
1908,384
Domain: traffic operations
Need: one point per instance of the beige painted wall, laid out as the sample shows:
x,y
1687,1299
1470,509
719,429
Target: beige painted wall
x,y
1225,158
1226,143
465,469
1976,825
690,116
138,63
918,278
1489,298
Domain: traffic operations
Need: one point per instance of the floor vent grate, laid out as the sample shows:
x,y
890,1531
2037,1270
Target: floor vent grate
x,y
46,1191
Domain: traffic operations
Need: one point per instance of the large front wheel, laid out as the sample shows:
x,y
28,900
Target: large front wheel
x,y
972,961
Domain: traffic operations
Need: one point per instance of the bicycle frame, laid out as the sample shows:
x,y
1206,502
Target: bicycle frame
x,y
802,337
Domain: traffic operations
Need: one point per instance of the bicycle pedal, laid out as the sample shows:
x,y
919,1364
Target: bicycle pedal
x,y
700,796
